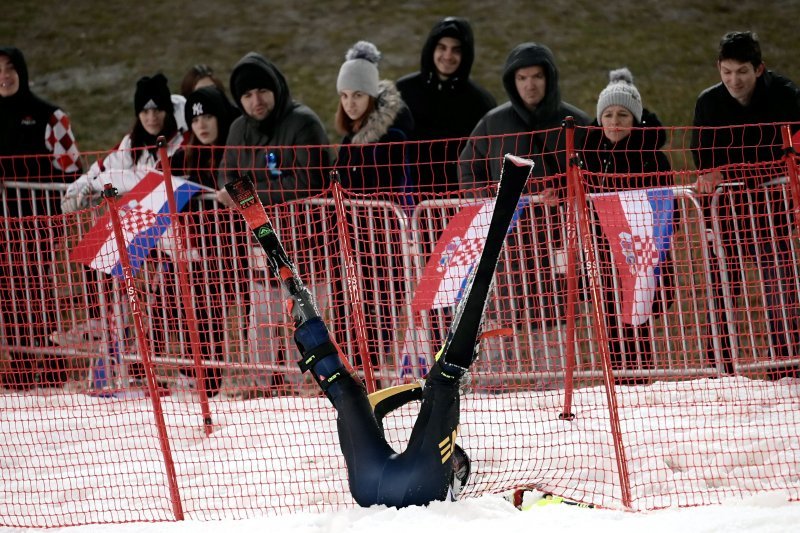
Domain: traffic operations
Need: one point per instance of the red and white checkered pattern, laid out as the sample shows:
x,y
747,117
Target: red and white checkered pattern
x,y
61,142
467,253
136,218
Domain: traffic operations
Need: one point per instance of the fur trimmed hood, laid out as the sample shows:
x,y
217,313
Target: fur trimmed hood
x,y
390,111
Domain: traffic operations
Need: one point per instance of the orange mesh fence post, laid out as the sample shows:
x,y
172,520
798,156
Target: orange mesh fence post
x,y
599,314
185,288
351,275
130,288
572,268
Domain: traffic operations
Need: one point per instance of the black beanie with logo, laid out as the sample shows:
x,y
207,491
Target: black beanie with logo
x,y
152,93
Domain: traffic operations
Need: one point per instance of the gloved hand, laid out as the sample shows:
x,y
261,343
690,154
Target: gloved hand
x,y
78,196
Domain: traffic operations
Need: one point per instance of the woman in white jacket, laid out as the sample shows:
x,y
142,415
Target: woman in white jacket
x,y
157,113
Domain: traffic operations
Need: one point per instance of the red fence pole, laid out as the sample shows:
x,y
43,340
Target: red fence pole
x,y
351,280
572,271
184,287
110,195
592,267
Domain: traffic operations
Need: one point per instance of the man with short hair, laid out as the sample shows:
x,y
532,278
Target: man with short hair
x,y
752,102
279,142
445,102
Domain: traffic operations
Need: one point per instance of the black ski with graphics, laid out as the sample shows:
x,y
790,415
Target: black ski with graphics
x,y
302,304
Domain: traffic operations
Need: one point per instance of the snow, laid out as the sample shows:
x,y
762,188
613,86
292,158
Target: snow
x,y
679,438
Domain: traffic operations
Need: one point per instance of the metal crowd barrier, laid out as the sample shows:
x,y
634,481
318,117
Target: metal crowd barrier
x,y
391,246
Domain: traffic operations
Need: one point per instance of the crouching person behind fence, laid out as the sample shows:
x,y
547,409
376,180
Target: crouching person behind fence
x,y
624,153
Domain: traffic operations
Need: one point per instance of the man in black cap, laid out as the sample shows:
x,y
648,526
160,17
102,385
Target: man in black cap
x,y
286,154
445,103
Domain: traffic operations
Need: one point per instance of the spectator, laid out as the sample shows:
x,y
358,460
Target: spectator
x,y
375,123
278,141
625,153
530,78
371,112
198,76
157,113
528,125
209,114
752,102
282,145
445,103
41,134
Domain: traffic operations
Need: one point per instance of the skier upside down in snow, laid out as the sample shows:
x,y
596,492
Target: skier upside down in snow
x,y
432,467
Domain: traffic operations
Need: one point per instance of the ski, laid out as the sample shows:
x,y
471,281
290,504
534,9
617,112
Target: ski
x,y
528,497
302,305
460,347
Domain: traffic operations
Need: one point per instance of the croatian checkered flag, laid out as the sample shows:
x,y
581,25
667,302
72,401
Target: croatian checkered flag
x,y
144,215
638,225
455,255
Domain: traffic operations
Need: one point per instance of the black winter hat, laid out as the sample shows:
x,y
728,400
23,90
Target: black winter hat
x,y
250,77
211,101
152,93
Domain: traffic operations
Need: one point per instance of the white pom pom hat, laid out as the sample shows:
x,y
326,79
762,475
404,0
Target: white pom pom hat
x,y
620,91
359,72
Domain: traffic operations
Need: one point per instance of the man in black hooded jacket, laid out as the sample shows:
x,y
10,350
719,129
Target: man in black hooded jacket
x,y
520,126
36,145
445,102
280,142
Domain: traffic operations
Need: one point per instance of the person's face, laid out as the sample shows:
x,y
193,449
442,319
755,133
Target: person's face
x,y
447,56
531,84
205,81
205,128
152,120
354,103
617,122
258,103
739,78
9,79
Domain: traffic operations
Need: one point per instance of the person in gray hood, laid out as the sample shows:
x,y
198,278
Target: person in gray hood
x,y
279,142
528,125
522,126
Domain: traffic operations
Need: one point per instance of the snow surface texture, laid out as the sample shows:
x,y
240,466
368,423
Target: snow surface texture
x,y
275,453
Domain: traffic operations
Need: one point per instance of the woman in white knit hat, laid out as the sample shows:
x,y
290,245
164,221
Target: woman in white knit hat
x,y
625,153
371,111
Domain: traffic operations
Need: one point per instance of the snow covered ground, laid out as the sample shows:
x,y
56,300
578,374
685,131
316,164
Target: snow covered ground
x,y
703,439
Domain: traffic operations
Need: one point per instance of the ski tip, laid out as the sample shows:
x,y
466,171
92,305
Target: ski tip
x,y
519,161
526,498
